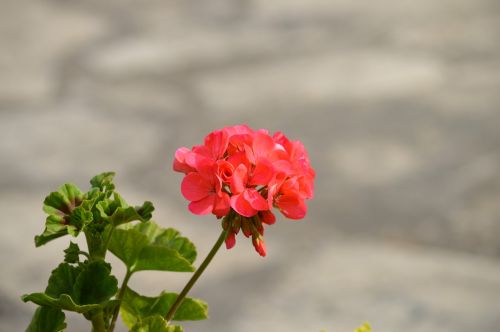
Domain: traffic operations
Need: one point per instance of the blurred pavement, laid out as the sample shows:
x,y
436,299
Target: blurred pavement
x,y
398,103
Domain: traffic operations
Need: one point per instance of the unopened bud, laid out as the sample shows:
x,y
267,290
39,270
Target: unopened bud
x,y
230,240
236,224
258,225
225,223
245,227
267,217
259,245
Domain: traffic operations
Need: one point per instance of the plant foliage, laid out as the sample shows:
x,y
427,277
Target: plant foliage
x,y
83,282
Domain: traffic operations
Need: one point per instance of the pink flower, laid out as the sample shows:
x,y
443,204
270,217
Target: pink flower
x,y
247,201
242,174
203,189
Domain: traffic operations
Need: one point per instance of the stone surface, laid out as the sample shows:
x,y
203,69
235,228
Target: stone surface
x,y
397,102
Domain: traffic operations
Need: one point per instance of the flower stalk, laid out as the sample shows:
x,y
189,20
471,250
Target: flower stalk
x,y
170,314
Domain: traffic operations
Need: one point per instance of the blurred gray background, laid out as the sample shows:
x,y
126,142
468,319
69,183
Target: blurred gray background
x,y
397,101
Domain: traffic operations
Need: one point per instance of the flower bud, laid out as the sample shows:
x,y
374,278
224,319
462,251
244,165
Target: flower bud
x,y
258,225
267,217
236,224
245,227
259,245
230,240
225,223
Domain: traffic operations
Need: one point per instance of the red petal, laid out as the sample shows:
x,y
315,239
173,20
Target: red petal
x,y
180,161
217,142
206,167
262,145
200,161
222,205
255,200
239,158
263,172
203,206
224,170
238,130
306,185
249,154
283,166
194,187
291,185
237,142
292,206
242,206
239,179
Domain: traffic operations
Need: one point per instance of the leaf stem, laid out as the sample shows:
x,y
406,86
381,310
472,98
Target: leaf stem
x,y
98,322
84,254
196,275
119,298
95,246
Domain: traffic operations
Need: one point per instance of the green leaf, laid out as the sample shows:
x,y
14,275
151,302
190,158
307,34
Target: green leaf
x,y
72,253
190,309
63,302
161,258
136,307
62,280
145,211
117,212
123,215
168,237
146,246
53,230
63,201
70,211
78,219
64,214
103,181
47,319
127,245
77,288
95,284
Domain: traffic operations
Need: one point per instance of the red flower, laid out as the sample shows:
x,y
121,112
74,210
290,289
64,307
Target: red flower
x,y
202,187
246,173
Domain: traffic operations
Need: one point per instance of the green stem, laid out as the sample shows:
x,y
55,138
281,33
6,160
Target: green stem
x,y
95,245
98,322
108,238
84,254
196,275
119,298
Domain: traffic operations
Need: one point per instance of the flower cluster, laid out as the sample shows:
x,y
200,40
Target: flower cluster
x,y
244,173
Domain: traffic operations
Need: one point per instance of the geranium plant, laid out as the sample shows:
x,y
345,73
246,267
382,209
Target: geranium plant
x,y
238,174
